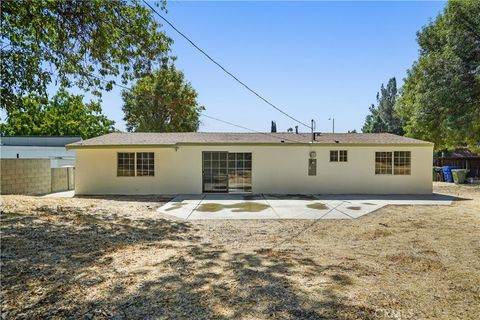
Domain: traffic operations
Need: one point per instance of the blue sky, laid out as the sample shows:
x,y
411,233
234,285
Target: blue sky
x,y
315,60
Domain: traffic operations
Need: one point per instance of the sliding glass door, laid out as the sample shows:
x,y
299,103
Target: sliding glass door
x,y
215,177
227,172
240,172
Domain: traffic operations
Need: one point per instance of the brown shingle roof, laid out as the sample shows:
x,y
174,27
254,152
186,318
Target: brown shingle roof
x,y
173,138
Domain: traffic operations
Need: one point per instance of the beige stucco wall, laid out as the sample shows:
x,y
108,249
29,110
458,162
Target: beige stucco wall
x,y
276,169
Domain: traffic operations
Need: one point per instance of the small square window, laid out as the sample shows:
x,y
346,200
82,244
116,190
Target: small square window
x,y
343,156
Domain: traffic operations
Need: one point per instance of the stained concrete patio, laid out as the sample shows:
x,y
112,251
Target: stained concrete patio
x,y
271,206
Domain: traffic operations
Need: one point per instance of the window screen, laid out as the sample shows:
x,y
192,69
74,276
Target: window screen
x,y
312,167
125,164
145,164
401,162
383,163
338,155
333,155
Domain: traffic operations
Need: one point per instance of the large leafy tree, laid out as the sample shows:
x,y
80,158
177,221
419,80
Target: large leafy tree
x,y
383,117
63,115
75,43
162,102
440,100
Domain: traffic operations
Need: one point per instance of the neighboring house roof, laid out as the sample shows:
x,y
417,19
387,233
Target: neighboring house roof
x,y
38,141
461,153
185,138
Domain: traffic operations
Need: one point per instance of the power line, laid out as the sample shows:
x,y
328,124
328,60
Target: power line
x,y
223,68
245,128
214,118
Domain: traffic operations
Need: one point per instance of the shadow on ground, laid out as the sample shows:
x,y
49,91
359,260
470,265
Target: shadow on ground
x,y
128,198
68,266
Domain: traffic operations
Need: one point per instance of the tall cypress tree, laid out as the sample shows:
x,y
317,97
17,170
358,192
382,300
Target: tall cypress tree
x,y
383,117
273,127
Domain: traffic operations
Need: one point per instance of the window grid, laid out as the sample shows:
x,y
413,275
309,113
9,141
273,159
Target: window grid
x,y
227,169
383,162
333,155
130,164
338,156
145,164
126,164
240,171
402,163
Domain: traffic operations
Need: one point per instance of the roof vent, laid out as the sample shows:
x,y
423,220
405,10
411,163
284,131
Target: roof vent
x,y
283,141
336,141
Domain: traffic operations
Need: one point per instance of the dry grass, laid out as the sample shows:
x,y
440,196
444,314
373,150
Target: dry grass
x,y
105,258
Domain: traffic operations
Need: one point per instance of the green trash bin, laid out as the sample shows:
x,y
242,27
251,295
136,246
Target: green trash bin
x,y
459,175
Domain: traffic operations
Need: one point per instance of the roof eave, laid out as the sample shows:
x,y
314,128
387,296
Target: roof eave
x,y
318,144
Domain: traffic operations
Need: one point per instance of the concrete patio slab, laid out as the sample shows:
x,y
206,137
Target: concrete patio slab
x,y
181,206
259,206
335,214
233,206
61,194
298,209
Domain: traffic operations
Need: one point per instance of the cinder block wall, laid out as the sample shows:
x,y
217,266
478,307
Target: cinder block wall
x,y
59,179
25,176
71,178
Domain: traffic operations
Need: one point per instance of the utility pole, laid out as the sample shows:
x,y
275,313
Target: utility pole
x,y
313,130
333,124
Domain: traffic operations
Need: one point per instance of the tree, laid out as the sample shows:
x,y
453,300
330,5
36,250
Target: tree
x,y
273,127
162,102
64,115
75,43
383,117
290,130
440,100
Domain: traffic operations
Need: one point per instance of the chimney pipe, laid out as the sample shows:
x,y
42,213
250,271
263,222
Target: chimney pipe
x,y
296,129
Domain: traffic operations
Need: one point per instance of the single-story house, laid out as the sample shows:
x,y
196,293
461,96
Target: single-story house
x,y
201,162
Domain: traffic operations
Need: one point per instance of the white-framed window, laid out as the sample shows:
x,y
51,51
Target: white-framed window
x,y
130,164
396,162
338,156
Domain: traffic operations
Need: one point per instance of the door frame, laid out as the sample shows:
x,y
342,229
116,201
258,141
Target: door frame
x,y
227,184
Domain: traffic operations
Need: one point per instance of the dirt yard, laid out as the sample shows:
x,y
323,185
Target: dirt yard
x,y
94,258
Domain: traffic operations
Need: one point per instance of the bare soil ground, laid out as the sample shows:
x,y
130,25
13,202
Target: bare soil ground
x,y
104,258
